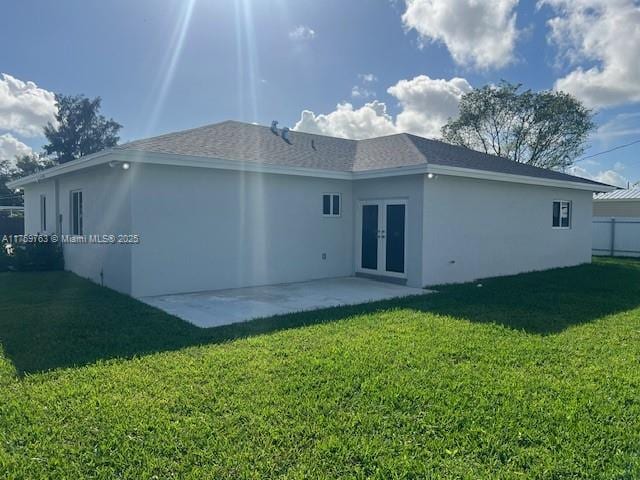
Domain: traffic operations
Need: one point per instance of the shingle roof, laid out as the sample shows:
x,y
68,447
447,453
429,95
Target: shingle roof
x,y
239,141
246,142
628,194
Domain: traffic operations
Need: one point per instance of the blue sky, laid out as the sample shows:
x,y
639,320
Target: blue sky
x,y
174,64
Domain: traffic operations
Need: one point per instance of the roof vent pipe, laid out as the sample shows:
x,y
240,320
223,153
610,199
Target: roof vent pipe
x,y
274,127
285,134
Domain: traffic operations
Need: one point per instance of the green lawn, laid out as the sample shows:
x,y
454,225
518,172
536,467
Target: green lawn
x,y
533,376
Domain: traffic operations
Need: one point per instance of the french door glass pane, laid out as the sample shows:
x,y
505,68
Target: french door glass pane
x,y
395,238
369,237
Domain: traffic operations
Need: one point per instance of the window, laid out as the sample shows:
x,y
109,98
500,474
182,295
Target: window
x,y
76,212
43,213
561,214
331,204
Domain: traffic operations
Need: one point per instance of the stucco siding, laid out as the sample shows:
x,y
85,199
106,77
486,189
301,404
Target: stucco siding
x,y
106,210
611,208
409,188
206,229
32,217
478,228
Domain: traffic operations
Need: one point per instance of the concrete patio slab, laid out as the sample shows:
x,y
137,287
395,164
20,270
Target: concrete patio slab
x,y
224,307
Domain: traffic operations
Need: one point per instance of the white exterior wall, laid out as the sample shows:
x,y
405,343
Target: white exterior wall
x,y
409,188
491,228
206,229
32,195
106,210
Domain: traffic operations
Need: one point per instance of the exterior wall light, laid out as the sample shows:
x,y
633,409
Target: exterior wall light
x,y
126,165
430,176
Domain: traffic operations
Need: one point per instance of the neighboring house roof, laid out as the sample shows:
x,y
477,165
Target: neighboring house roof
x,y
234,144
622,194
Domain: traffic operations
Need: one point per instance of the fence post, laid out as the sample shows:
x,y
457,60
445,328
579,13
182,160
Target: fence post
x,y
613,236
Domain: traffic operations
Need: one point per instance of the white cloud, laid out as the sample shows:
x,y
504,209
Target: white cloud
x,y
370,120
610,177
24,107
361,92
367,77
477,33
426,105
604,32
302,32
10,147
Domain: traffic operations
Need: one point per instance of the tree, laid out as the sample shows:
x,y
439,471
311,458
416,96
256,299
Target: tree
x,y
7,173
80,129
29,164
24,165
546,129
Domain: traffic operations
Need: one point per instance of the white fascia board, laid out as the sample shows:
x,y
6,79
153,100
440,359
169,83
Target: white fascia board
x,y
137,156
421,168
509,177
222,164
79,164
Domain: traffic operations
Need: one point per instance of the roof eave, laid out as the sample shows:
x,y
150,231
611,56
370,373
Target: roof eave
x,y
72,166
139,156
509,177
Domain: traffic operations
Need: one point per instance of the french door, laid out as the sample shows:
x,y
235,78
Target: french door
x,y
382,237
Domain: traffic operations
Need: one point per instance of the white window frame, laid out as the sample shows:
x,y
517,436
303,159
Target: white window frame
x,y
81,213
331,195
570,215
43,213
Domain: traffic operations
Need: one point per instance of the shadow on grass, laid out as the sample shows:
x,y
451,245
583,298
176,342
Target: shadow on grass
x,y
55,319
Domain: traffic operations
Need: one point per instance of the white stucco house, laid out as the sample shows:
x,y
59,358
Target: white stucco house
x,y
232,205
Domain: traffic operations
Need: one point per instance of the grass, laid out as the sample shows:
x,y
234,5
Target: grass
x,y
532,376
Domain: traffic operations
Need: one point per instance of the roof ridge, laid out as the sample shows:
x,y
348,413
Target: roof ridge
x,y
413,144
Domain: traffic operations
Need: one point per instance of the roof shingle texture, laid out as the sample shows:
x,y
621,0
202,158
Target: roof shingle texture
x,y
244,142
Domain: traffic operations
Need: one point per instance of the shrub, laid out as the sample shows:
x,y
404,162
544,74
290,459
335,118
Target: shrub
x,y
39,256
5,258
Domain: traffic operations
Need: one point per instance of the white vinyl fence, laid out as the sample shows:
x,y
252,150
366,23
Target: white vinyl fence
x,y
618,236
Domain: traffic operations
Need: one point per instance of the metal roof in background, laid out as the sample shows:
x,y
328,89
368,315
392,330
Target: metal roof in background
x,y
622,194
